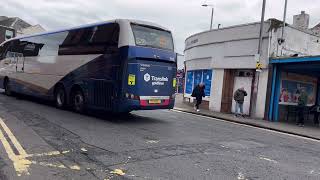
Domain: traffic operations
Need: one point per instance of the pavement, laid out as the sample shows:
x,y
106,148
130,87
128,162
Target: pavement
x,y
41,142
309,130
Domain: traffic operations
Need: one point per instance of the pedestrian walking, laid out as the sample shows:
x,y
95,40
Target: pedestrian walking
x,y
198,94
302,103
239,98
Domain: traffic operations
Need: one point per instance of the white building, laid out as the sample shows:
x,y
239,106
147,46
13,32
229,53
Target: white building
x,y
224,59
20,26
30,30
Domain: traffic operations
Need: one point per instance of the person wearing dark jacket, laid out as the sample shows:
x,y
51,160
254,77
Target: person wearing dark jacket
x,y
239,98
198,93
302,103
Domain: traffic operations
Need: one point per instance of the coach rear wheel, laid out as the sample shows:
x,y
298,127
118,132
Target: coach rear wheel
x,y
7,88
60,97
78,101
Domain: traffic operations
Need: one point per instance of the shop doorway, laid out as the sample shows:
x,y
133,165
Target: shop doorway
x,y
227,90
233,80
246,83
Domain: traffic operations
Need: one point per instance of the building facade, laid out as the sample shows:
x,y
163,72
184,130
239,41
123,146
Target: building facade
x,y
14,26
225,60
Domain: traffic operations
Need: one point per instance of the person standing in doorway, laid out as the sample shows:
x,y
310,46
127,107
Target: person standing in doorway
x,y
239,98
198,93
302,103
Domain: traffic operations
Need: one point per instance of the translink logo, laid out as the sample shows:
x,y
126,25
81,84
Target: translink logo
x,y
146,77
159,81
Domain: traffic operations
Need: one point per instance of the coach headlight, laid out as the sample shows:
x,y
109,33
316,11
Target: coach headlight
x,y
127,95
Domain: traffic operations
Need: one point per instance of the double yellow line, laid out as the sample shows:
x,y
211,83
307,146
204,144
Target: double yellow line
x,y
20,163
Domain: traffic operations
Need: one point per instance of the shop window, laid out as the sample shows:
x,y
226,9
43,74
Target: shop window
x,y
291,85
93,40
196,77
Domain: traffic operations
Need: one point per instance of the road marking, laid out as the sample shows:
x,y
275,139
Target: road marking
x,y
239,124
83,149
20,163
49,164
12,138
52,153
75,167
118,172
152,142
267,159
240,176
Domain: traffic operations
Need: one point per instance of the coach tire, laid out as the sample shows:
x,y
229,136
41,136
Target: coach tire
x,y
78,101
7,87
60,97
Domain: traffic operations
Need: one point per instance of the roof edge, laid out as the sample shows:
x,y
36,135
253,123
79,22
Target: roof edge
x,y
229,27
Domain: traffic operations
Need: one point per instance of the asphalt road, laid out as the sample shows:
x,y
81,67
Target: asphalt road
x,y
41,142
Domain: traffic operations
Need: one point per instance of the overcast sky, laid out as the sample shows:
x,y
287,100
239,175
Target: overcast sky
x,y
183,17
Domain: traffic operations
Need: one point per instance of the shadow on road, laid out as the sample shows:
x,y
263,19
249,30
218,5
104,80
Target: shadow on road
x,y
116,118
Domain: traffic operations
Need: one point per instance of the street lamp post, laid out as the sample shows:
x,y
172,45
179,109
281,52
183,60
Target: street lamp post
x,y
254,97
212,9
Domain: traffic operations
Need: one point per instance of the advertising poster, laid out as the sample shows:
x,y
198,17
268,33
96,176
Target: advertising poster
x,y
207,77
197,77
189,82
291,85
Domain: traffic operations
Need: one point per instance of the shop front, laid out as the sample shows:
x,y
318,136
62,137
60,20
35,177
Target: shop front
x,y
291,76
194,78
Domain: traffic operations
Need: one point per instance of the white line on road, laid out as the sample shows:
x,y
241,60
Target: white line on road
x,y
268,159
239,124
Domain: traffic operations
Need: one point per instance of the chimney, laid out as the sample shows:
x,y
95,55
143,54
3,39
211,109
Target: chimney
x,y
301,21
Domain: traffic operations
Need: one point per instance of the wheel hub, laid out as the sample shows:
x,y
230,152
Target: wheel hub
x,y
78,101
60,98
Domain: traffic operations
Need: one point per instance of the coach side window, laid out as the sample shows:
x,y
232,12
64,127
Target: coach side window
x,y
31,46
3,50
92,40
15,49
53,43
106,34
